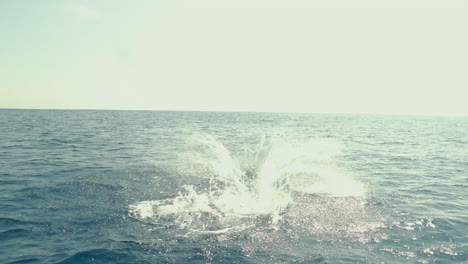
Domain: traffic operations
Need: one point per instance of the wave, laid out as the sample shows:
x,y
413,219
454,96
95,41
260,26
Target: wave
x,y
96,256
14,233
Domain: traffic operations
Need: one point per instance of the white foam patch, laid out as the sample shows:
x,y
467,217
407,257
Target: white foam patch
x,y
263,184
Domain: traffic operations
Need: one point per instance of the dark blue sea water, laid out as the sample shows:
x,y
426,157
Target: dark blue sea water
x,y
213,187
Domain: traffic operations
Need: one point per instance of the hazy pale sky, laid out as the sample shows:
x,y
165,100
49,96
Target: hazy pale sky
x,y
374,56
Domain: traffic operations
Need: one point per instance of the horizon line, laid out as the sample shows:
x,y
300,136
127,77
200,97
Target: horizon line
x,y
238,111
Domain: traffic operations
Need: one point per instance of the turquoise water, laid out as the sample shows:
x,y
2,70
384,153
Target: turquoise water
x,y
213,187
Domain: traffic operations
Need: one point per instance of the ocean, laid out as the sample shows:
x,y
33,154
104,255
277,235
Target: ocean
x,y
84,186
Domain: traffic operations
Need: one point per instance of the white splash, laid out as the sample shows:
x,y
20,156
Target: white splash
x,y
261,183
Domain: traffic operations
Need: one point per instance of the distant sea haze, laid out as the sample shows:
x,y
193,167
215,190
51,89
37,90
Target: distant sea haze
x,y
220,187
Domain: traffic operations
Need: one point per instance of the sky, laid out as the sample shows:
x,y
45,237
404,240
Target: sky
x,y
334,56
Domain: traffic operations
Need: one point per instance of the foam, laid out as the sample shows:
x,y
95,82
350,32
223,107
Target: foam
x,y
262,185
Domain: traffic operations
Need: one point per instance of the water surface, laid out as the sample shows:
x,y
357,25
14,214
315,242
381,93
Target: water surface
x,y
214,187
